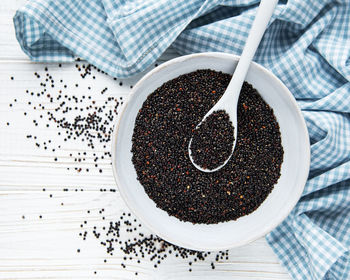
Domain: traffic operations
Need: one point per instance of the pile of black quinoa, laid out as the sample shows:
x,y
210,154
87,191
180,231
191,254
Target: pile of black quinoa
x,y
212,141
163,129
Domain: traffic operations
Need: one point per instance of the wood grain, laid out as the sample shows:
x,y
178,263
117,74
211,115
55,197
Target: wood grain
x,y
46,248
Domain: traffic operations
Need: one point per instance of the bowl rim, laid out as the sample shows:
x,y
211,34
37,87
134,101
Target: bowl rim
x,y
303,130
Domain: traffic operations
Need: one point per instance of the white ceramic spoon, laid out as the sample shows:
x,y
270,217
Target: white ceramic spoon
x,y
228,102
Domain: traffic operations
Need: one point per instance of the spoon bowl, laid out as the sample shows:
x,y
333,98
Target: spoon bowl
x,y
233,118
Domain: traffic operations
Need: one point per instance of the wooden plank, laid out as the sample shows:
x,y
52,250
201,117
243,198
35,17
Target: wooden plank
x,y
27,249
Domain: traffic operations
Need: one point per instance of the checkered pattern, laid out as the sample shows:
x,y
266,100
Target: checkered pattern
x,y
307,45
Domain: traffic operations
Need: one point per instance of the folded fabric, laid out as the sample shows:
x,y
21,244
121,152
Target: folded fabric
x,y
307,45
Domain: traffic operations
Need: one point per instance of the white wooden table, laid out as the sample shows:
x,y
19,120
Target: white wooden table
x,y
46,248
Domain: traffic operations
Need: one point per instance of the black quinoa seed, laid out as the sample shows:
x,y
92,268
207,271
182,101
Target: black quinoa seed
x,y
163,129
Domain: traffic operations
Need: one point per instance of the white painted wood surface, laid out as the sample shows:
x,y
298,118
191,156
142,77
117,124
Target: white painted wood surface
x,y
34,248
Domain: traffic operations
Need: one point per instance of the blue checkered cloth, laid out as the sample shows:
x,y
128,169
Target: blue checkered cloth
x,y
307,45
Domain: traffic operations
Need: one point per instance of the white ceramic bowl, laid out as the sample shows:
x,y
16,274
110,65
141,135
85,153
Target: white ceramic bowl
x,y
272,211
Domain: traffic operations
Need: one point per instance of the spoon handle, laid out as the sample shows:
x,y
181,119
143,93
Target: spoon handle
x,y
259,25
